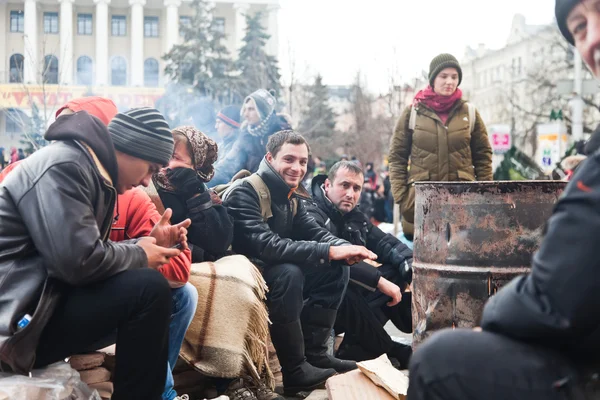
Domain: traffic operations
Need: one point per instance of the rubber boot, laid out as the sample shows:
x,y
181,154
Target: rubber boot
x,y
298,374
316,326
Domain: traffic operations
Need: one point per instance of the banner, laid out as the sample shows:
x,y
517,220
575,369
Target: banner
x,y
552,142
54,96
500,138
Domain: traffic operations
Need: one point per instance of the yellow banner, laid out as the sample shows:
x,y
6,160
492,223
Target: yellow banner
x,y
54,96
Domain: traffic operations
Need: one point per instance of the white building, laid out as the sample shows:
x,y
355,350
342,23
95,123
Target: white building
x,y
525,70
112,48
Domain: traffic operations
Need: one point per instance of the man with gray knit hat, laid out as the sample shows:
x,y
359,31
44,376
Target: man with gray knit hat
x,y
540,334
261,121
63,286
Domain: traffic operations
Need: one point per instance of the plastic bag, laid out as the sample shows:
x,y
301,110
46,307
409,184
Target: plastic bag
x,y
55,382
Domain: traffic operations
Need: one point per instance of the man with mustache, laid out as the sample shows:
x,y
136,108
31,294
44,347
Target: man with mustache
x,y
540,334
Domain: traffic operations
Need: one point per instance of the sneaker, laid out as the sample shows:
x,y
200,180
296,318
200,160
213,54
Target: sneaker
x,y
182,397
239,390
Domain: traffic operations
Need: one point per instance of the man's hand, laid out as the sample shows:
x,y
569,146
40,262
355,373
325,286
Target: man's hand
x,y
351,254
168,235
157,255
390,289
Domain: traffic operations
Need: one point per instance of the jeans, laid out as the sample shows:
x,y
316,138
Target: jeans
x,y
185,300
136,304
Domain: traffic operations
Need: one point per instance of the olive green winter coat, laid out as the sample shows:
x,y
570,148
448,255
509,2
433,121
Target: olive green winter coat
x,y
437,152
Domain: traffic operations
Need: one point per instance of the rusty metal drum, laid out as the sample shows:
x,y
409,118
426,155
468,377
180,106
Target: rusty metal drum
x,y
471,238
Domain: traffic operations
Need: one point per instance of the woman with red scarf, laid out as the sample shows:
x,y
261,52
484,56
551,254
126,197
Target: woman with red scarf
x,y
440,142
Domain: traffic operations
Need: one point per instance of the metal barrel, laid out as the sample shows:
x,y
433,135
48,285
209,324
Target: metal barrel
x,y
471,238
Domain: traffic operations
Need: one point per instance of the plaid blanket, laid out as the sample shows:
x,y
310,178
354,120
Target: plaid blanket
x,y
230,331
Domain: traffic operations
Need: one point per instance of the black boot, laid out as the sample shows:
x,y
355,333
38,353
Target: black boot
x,y
316,325
402,353
298,375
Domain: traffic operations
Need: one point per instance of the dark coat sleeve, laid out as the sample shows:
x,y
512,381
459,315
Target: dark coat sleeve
x,y
556,304
254,238
361,273
59,215
391,251
212,227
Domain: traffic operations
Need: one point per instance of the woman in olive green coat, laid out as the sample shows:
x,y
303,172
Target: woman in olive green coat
x,y
442,136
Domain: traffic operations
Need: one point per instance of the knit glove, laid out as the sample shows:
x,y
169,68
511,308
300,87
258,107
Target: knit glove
x,y
186,181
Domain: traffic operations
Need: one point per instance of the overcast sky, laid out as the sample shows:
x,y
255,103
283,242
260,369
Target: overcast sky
x,y
378,37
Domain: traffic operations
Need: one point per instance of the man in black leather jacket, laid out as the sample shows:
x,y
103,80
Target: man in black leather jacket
x,y
540,334
305,287
374,295
57,265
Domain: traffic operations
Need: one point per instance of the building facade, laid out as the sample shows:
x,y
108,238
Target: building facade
x,y
54,50
515,86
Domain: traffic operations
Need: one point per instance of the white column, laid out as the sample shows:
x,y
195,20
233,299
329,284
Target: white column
x,y
5,69
65,59
172,24
273,30
240,23
30,51
137,42
101,61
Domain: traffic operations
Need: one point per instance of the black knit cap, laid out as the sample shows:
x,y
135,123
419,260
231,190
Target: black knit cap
x,y
142,133
562,8
442,62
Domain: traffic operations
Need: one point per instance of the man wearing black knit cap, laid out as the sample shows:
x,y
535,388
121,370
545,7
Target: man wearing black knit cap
x,y
64,287
540,334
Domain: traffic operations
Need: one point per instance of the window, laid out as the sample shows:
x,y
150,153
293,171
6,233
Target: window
x,y
119,25
220,25
151,26
16,68
184,21
50,22
84,24
118,71
84,70
16,21
50,73
151,73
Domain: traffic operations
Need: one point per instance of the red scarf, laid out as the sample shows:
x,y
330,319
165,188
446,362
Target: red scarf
x,y
438,103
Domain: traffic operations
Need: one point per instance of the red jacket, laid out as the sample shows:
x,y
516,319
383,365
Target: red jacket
x,y
137,215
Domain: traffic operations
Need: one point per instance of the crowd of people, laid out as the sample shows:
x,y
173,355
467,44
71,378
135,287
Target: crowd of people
x,y
110,233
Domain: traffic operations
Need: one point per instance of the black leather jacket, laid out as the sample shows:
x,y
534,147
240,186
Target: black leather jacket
x,y
56,211
283,238
356,228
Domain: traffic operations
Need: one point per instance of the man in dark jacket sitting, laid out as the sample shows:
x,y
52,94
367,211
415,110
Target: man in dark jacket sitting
x,y
305,287
540,334
63,286
374,294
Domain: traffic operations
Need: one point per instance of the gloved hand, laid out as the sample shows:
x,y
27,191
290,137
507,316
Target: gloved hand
x,y
186,182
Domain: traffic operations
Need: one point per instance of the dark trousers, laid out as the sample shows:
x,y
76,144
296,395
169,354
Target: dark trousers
x,y
362,328
137,304
291,288
468,365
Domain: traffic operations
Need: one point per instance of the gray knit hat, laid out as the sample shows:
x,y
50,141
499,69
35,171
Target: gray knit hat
x,y
442,62
143,133
562,8
265,102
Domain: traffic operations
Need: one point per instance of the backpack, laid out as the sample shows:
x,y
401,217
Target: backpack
x,y
259,186
412,121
